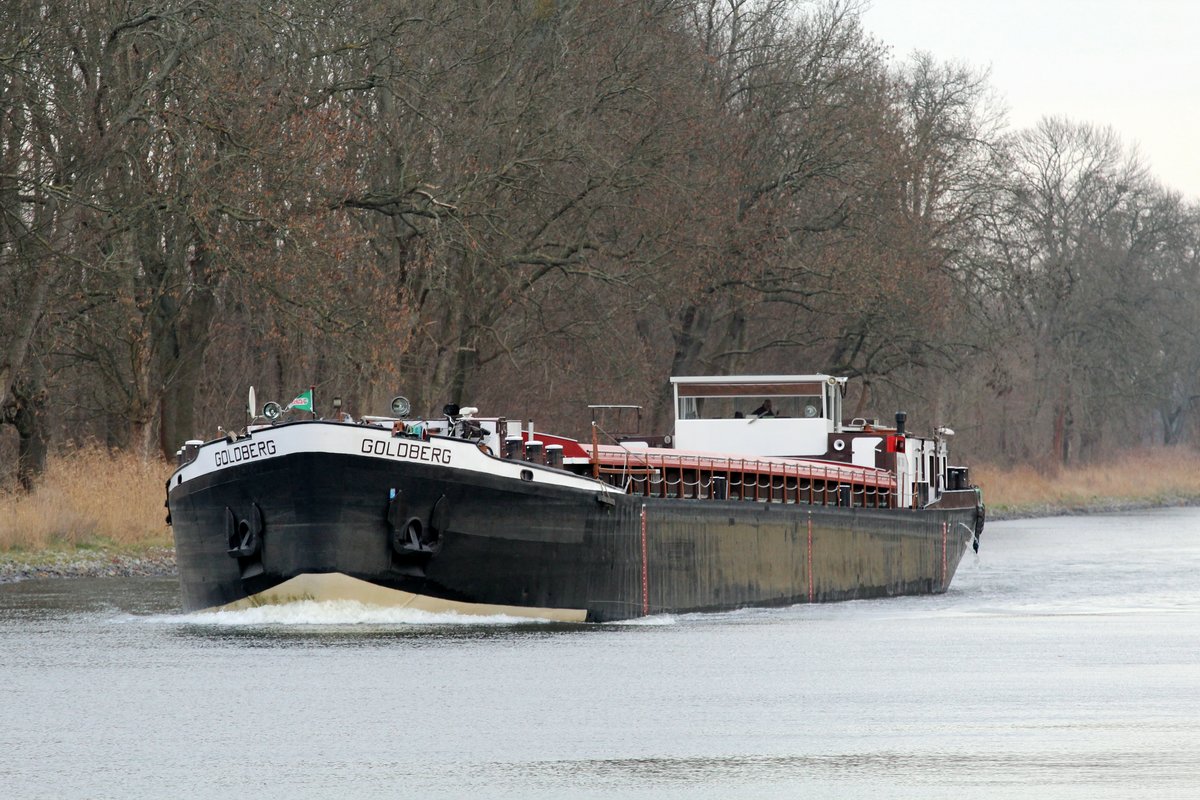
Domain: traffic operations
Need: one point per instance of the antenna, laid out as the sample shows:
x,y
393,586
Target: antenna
x,y
251,406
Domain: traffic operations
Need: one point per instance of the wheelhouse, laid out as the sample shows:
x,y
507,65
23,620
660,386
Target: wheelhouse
x,y
767,415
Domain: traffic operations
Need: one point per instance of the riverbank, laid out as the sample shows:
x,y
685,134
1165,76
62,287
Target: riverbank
x,y
95,514
86,563
1140,479
101,515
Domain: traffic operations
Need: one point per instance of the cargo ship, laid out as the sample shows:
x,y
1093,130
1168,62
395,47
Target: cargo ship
x,y
760,495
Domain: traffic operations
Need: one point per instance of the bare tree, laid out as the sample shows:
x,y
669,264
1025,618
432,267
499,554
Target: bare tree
x,y
1084,261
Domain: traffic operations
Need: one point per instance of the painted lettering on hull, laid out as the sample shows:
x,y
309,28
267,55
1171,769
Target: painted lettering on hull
x,y
414,451
244,452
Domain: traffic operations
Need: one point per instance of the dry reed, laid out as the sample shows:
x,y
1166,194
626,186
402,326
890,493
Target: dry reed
x,y
1165,476
91,498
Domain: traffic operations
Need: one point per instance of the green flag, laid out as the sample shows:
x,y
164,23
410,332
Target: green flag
x,y
303,402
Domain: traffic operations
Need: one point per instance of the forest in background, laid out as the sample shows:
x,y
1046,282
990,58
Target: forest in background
x,y
534,205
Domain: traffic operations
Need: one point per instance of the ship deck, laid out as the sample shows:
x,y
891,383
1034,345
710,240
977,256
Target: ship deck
x,y
662,472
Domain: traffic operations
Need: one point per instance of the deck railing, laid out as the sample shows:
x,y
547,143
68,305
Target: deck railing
x,y
760,480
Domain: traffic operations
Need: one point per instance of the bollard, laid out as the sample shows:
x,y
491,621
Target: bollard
x,y
512,448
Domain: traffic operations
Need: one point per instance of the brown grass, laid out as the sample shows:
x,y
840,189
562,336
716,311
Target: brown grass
x,y
1165,476
91,498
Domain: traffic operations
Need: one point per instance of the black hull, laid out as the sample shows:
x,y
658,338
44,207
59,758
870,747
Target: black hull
x,y
494,540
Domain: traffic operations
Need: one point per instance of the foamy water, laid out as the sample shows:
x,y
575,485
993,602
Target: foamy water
x,y
336,613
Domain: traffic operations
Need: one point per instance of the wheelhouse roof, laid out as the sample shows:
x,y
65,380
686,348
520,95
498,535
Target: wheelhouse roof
x,y
751,379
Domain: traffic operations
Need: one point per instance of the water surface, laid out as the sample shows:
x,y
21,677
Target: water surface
x,y
1063,663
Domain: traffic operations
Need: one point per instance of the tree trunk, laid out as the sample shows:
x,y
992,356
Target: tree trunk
x,y
18,348
28,416
1061,446
694,325
181,357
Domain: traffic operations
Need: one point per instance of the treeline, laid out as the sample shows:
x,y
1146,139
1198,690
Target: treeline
x,y
536,204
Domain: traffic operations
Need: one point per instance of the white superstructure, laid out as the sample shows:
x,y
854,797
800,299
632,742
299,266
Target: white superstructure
x,y
726,414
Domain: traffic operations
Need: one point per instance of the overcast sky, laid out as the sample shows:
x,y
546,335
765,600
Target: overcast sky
x,y
1132,65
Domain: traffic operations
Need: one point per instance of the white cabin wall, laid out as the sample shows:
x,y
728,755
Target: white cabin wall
x,y
754,437
864,449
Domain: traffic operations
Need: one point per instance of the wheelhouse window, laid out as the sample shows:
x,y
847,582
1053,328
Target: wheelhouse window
x,y
743,402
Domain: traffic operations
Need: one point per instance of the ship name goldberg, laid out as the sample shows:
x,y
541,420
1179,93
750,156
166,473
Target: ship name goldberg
x,y
413,450
244,452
